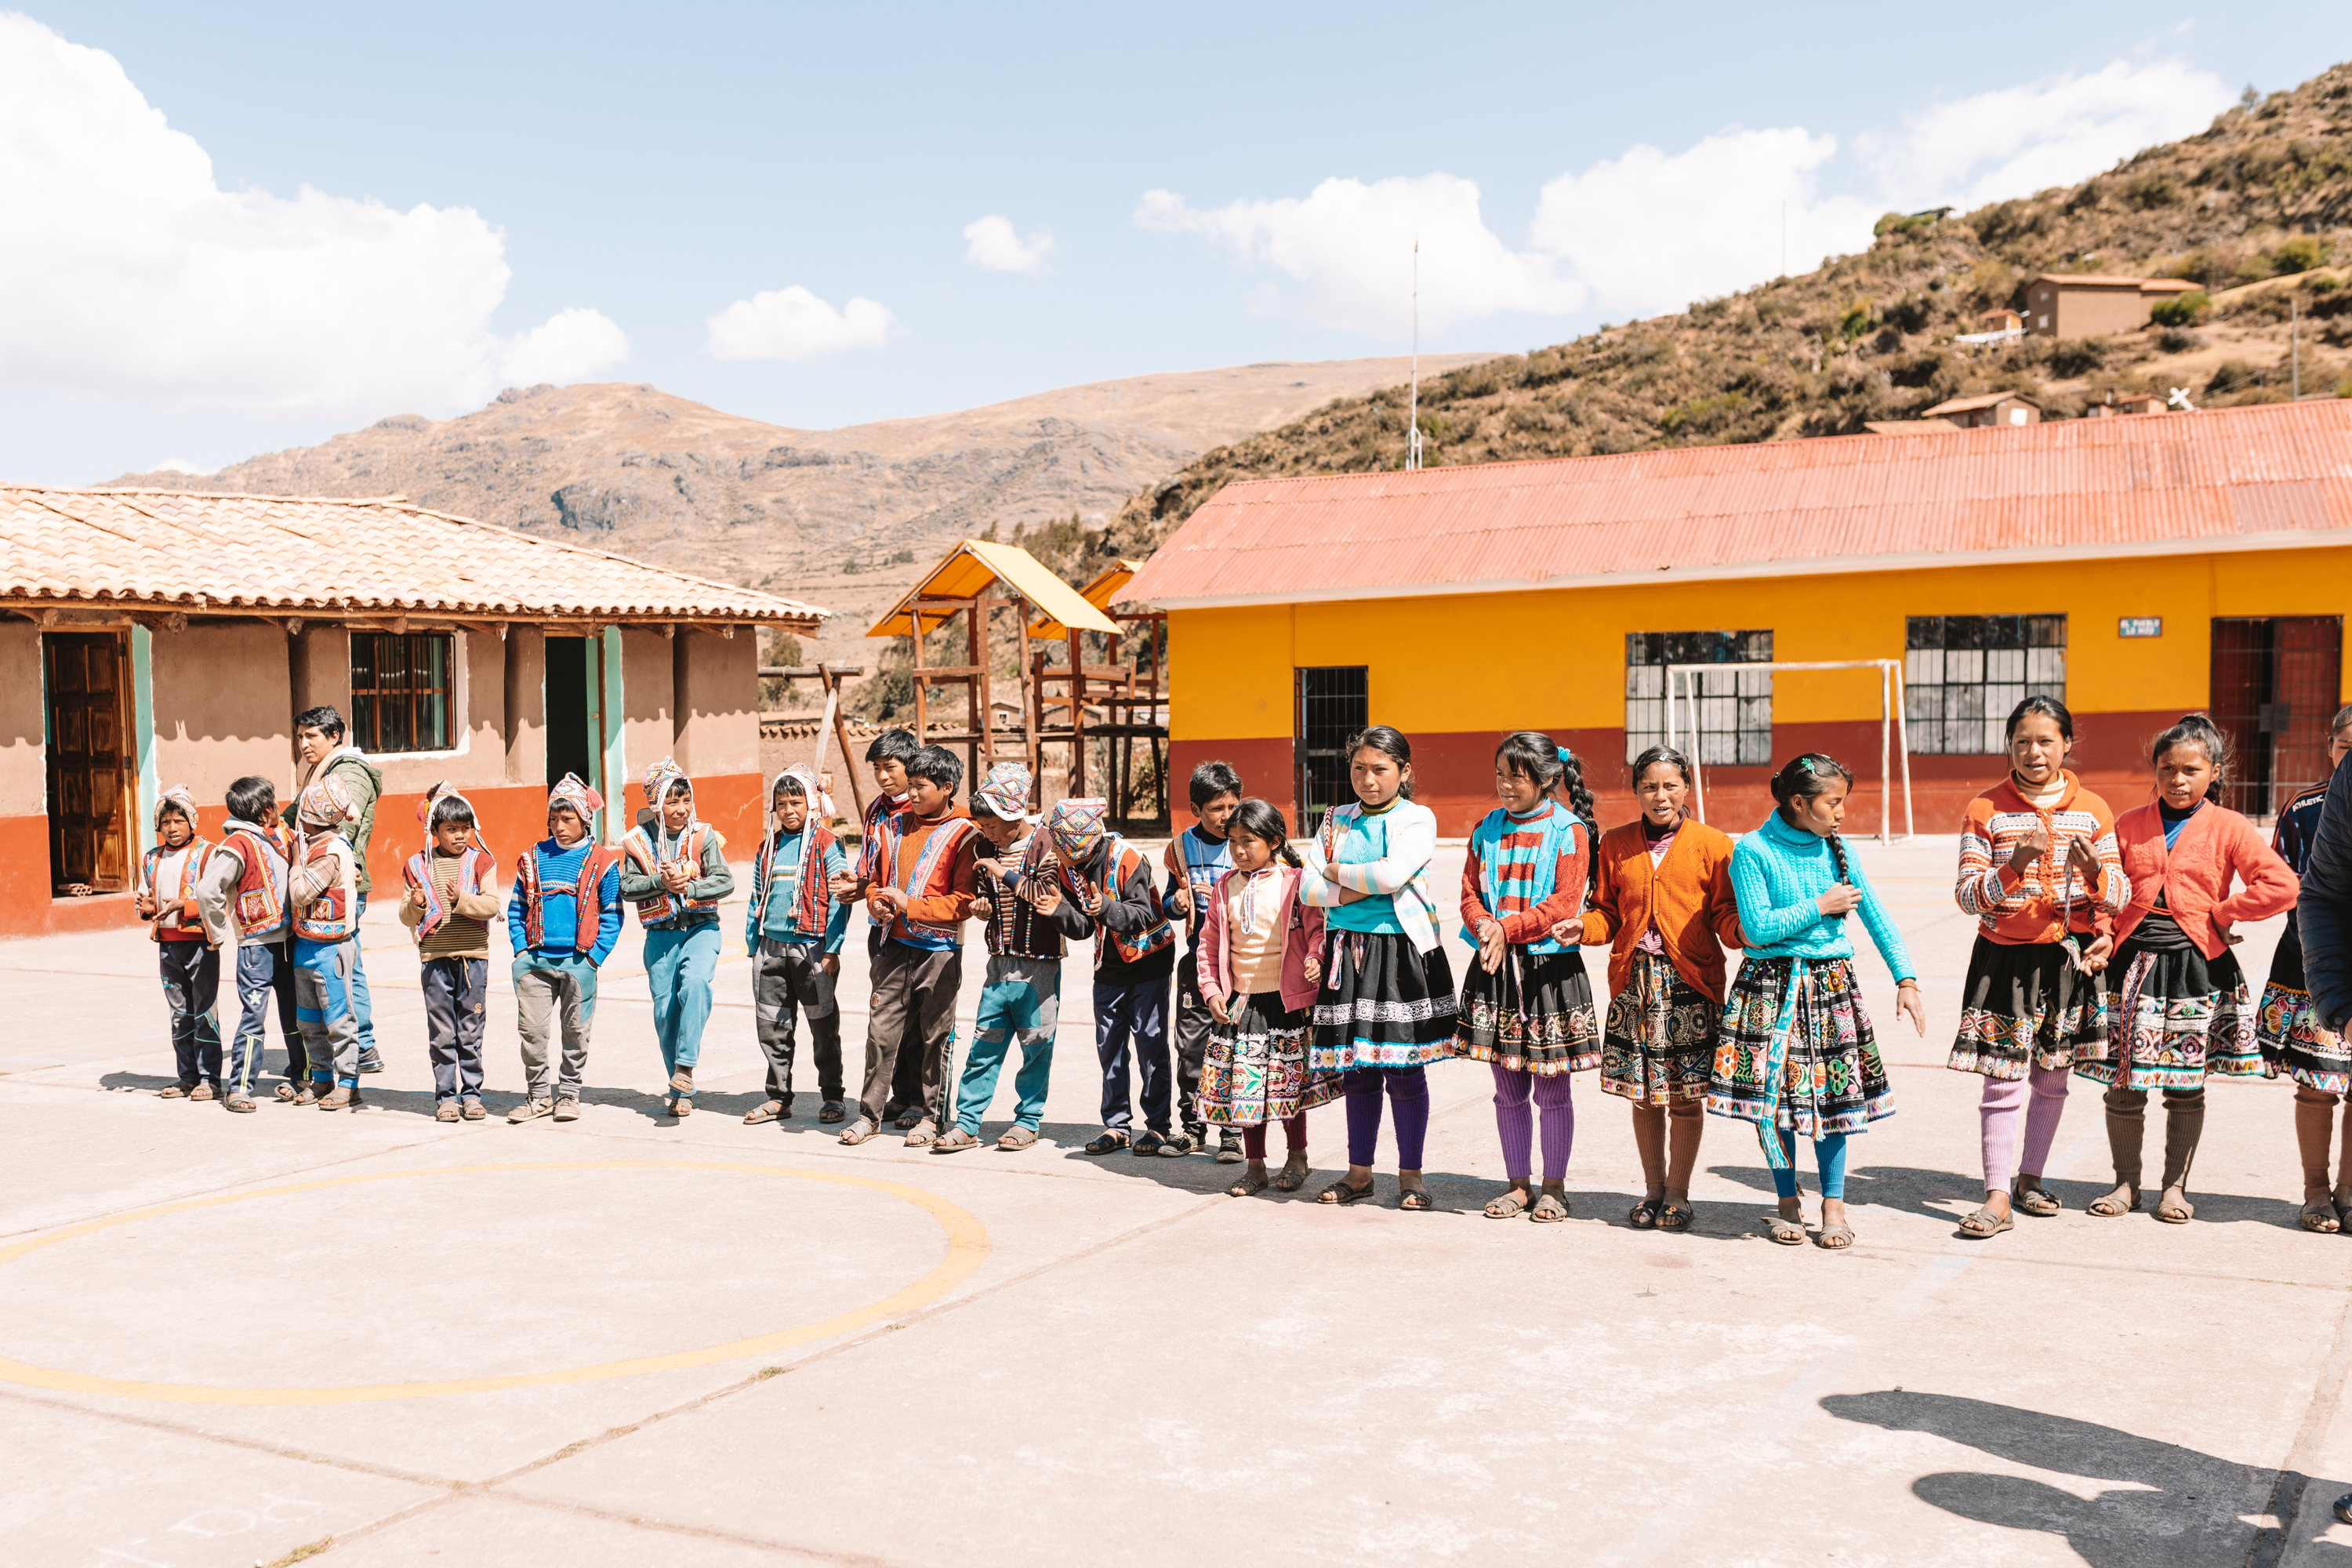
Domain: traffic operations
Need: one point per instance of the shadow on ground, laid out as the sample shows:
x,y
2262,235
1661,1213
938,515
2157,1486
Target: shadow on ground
x,y
2167,1504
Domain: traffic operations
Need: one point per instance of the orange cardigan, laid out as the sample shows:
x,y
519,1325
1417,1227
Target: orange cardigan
x,y
2194,875
1687,896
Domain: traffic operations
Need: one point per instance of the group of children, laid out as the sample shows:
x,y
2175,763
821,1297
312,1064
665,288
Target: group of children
x,y
1312,970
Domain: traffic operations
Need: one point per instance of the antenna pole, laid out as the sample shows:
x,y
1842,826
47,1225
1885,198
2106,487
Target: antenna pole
x,y
2294,342
1412,399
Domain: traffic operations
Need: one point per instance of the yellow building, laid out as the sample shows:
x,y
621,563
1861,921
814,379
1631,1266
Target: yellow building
x,y
2137,568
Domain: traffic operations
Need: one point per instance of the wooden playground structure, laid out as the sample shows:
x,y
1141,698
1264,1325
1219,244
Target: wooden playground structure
x,y
1113,707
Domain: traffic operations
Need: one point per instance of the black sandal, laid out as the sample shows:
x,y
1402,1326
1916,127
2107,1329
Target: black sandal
x,y
1415,1199
1676,1217
1342,1194
1645,1215
1109,1142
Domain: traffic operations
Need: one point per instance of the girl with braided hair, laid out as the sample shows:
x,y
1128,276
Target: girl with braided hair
x,y
1527,1005
1798,1055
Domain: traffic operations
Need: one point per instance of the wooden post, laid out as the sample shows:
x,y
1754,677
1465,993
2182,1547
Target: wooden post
x,y
976,688
1077,713
832,680
1021,672
922,687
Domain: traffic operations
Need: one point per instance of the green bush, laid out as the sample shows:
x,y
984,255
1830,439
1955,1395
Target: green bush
x,y
2182,310
2301,254
2344,387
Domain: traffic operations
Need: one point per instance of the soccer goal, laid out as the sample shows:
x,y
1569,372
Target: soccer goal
x,y
1894,746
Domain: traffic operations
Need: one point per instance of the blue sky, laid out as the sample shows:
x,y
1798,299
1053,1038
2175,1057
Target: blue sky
x,y
821,216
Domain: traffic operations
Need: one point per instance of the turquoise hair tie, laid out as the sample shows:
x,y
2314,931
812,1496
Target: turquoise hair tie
x,y
1565,755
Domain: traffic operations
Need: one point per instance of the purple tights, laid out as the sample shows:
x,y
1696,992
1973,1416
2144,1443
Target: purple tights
x,y
1408,1091
1518,1126
2008,1101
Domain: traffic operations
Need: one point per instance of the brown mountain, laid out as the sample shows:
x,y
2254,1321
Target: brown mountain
x,y
843,518
2255,208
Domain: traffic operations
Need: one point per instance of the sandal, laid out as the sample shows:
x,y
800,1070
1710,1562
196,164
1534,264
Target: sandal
x,y
2176,1211
1983,1224
859,1131
1786,1231
177,1091
1415,1199
1110,1140
1676,1217
1342,1194
2034,1201
1510,1206
834,1111
2321,1218
1017,1138
1293,1175
1550,1209
1643,1216
759,1115
2108,1206
1837,1237
1248,1184
953,1140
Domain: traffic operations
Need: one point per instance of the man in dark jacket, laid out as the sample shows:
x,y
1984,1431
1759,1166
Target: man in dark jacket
x,y
2324,916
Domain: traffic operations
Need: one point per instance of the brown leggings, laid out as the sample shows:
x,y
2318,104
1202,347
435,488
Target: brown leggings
x,y
2315,1129
1668,1142
2184,1124
1294,1137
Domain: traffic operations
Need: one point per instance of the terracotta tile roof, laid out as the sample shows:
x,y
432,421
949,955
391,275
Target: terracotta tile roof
x,y
178,550
1989,400
2255,477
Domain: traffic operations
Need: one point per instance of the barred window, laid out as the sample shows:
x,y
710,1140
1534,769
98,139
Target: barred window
x,y
1963,674
399,692
1735,706
1334,702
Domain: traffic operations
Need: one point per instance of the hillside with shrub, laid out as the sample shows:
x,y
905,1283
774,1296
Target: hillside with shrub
x,y
2257,210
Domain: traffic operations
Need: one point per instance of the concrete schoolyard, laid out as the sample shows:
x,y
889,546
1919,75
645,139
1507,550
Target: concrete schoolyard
x,y
374,1340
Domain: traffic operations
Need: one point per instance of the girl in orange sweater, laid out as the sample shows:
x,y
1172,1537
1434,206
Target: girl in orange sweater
x,y
2038,871
2176,1005
1665,906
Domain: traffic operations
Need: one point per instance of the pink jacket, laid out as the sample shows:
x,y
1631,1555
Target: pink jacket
x,y
1302,925
2194,875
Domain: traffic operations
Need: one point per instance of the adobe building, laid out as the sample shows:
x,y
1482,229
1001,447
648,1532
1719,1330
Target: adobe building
x,y
1988,408
2137,569
2089,305
151,638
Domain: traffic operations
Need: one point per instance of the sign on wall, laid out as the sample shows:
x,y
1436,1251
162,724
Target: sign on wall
x,y
2140,627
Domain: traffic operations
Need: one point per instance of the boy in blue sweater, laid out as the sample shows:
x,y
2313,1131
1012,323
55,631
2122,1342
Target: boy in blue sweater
x,y
793,929
563,920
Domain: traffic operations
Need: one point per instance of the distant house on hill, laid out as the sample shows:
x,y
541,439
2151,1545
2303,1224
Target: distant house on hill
x,y
2002,321
2090,305
2136,569
151,638
1990,408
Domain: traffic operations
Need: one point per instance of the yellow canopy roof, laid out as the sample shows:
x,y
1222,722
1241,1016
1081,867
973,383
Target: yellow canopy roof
x,y
970,568
1098,593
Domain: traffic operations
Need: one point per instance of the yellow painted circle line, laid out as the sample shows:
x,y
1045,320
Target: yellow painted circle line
x,y
966,1246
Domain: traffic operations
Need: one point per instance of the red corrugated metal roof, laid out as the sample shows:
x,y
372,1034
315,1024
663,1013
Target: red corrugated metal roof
x,y
2262,476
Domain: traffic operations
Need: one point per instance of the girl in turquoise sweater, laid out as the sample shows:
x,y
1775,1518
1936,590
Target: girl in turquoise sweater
x,y
1797,1055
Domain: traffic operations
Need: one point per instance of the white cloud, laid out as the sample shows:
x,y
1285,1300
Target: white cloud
x,y
1347,247
996,246
2015,141
1649,231
130,274
793,324
178,466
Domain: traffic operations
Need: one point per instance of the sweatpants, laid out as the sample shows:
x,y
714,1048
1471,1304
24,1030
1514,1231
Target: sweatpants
x,y
1190,1036
2033,1103
363,1005
1020,999
914,1010
1133,1019
1408,1092
906,1079
792,979
265,976
322,1005
1516,1124
1829,1151
456,995
681,963
191,972
550,987
1294,1137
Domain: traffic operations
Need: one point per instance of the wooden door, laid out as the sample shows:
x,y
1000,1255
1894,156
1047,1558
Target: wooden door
x,y
2304,688
89,760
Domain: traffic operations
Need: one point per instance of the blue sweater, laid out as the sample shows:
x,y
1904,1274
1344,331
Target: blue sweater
x,y
780,925
1778,871
559,870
